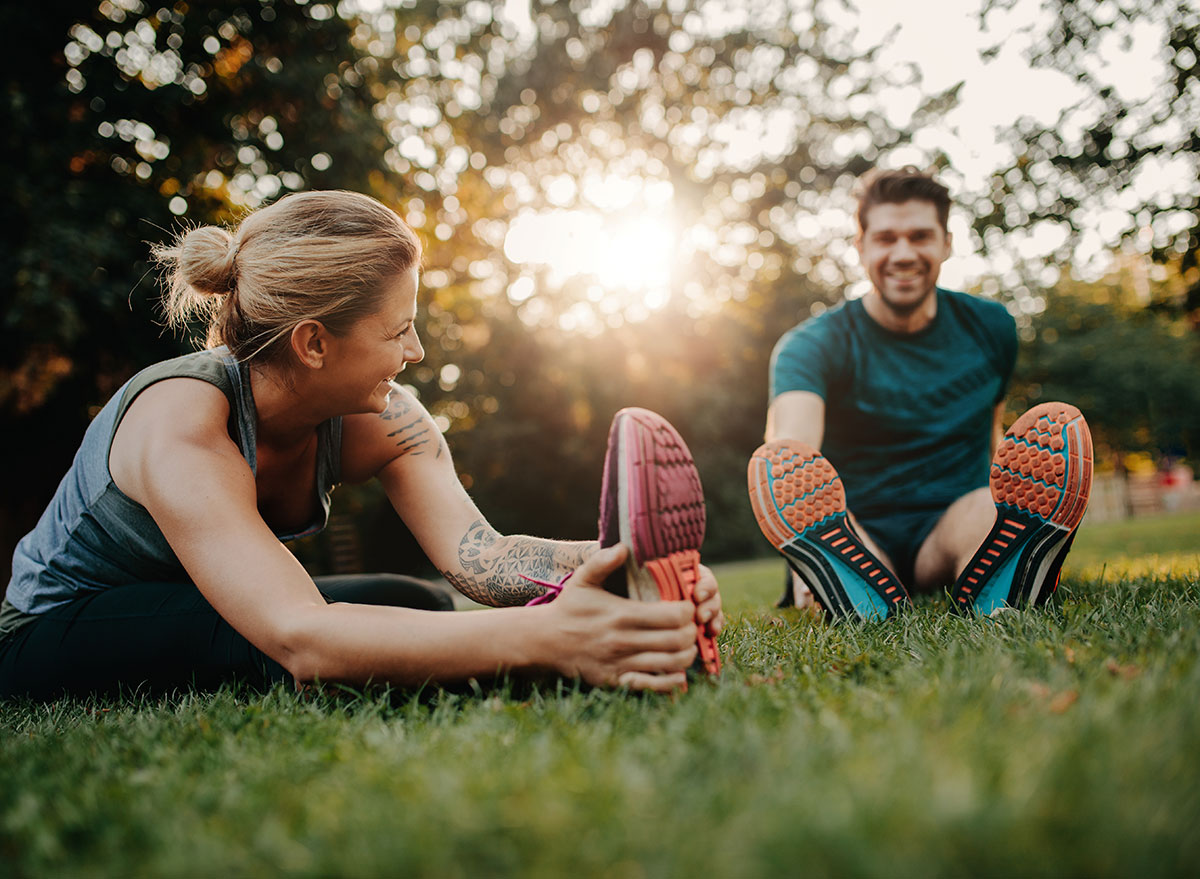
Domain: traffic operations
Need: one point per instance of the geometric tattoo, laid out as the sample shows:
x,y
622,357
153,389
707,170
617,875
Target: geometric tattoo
x,y
491,566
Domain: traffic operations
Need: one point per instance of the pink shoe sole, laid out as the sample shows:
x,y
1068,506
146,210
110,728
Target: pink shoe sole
x,y
652,501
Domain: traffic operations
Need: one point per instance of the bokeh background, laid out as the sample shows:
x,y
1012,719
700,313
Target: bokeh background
x,y
623,203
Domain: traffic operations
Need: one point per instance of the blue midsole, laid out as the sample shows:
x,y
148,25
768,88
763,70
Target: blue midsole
x,y
996,590
866,601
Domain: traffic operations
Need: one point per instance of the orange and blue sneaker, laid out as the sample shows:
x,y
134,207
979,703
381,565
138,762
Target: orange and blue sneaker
x,y
651,500
800,505
1041,477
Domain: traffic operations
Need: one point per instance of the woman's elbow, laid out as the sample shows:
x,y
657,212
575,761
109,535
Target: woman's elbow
x,y
301,647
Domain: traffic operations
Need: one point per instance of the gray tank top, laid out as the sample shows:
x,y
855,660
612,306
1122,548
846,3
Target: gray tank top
x,y
93,537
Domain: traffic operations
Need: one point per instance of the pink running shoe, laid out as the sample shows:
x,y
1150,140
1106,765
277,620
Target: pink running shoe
x,y
651,501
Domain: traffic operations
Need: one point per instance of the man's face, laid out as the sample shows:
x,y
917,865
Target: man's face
x,y
902,249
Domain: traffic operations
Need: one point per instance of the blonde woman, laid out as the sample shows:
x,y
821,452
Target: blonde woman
x,y
161,560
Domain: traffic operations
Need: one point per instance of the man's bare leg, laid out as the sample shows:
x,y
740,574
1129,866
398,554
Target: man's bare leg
x,y
954,539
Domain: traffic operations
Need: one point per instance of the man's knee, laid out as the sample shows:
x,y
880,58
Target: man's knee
x,y
954,538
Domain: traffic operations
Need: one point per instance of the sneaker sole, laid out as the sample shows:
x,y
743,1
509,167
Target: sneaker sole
x,y
1041,477
800,505
661,516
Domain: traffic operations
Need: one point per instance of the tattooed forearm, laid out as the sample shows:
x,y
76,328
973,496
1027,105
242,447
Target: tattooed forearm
x,y
480,538
492,567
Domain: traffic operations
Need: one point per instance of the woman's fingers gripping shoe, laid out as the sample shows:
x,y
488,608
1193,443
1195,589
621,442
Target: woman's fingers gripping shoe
x,y
708,604
611,641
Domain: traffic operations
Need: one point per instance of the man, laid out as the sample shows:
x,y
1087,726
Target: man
x,y
903,393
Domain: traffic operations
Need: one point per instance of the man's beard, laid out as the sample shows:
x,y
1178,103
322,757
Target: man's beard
x,y
904,309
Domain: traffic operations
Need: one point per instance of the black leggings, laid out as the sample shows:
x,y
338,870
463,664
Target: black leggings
x,y
156,637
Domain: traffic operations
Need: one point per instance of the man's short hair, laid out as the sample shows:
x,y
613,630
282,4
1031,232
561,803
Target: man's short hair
x,y
898,186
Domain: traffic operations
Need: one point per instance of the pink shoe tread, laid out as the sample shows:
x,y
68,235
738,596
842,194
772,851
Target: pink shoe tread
x,y
666,501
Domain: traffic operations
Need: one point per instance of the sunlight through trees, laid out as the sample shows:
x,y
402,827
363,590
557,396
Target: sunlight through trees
x,y
623,203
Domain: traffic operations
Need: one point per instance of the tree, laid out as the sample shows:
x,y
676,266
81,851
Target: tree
x,y
1131,368
751,120
1111,168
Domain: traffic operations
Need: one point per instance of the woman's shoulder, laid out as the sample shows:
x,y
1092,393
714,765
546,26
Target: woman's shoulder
x,y
180,405
174,411
177,418
213,365
405,429
185,391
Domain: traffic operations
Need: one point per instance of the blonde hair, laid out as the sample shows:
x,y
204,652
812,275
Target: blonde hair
x,y
325,256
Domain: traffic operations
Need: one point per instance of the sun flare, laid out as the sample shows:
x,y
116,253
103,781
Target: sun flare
x,y
629,256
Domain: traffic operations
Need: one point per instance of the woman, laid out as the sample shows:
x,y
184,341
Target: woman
x,y
160,560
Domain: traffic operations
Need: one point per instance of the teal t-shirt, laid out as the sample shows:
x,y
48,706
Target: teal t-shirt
x,y
908,417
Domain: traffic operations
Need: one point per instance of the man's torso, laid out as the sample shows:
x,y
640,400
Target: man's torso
x,y
908,417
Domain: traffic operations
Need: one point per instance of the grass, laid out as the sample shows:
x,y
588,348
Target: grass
x,y
1161,544
1056,742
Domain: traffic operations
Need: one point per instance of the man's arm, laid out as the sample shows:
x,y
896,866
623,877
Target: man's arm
x,y
997,428
797,415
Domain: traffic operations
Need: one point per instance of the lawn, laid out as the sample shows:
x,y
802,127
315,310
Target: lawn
x,y
1056,742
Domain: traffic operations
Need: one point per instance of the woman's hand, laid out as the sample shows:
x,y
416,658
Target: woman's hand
x,y
708,604
618,642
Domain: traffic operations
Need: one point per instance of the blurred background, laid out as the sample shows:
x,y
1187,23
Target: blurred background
x,y
623,203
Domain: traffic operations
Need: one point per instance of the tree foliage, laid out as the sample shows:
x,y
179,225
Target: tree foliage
x,y
754,128
1111,167
742,125
1130,367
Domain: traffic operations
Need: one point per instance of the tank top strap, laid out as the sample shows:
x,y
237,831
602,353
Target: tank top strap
x,y
211,366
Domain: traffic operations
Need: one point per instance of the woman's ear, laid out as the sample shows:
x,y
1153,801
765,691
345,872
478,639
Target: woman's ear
x,y
310,343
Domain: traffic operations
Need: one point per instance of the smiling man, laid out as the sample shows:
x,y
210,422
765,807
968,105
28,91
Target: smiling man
x,y
885,413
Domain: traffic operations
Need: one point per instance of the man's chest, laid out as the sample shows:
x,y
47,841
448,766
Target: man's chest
x,y
910,387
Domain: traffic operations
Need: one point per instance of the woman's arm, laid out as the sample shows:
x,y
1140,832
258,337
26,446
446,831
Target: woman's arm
x,y
172,455
491,568
404,448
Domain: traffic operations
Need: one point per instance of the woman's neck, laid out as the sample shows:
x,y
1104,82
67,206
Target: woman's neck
x,y
286,415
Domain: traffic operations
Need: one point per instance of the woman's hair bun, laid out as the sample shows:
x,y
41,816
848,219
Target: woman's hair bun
x,y
207,260
325,255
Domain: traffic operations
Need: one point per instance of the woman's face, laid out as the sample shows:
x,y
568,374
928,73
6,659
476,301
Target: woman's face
x,y
380,345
